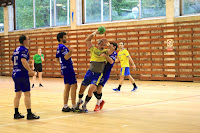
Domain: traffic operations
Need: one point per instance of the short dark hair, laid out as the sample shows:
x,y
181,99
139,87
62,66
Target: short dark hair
x,y
22,38
60,35
114,44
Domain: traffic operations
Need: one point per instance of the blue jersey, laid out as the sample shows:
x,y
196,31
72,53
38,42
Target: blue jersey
x,y
62,50
18,68
109,66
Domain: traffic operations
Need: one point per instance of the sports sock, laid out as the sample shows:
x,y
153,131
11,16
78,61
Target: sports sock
x,y
95,94
119,87
87,99
74,106
134,85
80,98
99,98
65,106
16,111
29,111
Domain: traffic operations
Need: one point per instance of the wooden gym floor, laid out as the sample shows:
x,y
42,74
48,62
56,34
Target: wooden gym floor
x,y
156,107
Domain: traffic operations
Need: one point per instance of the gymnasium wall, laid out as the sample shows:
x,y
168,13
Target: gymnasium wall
x,y
146,43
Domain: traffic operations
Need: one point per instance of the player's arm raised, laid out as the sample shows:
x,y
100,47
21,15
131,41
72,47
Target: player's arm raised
x,y
88,40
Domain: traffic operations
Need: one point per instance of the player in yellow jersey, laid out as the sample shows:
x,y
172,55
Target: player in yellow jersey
x,y
124,57
94,74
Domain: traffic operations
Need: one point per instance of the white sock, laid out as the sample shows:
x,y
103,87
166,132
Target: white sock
x,y
74,106
65,105
98,102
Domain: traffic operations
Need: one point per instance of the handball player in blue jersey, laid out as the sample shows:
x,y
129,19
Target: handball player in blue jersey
x,y
20,77
63,55
106,74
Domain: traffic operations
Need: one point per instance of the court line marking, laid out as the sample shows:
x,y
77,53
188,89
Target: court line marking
x,y
138,105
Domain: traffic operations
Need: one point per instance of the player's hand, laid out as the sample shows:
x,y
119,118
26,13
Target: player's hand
x,y
32,73
105,41
32,68
134,67
71,49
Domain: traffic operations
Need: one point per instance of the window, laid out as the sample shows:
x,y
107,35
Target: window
x,y
1,20
41,13
24,14
190,6
62,12
153,8
93,11
109,10
127,9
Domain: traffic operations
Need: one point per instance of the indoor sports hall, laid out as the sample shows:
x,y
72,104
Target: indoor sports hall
x,y
161,36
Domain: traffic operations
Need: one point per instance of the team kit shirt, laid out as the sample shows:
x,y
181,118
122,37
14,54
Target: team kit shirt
x,y
18,68
107,69
123,57
95,54
109,66
62,50
37,58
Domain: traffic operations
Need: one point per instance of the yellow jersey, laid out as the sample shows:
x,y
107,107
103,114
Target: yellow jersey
x,y
123,57
95,55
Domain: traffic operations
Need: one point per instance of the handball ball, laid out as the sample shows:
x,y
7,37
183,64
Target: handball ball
x,y
101,30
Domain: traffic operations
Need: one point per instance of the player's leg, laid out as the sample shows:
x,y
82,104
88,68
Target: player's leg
x,y
96,78
17,115
98,95
66,108
121,80
80,95
73,94
127,73
27,101
40,79
86,81
133,83
92,88
25,87
34,78
40,74
17,82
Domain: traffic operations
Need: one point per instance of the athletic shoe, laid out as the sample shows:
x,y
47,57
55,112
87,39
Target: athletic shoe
x,y
32,116
134,89
32,85
84,109
116,89
40,85
97,108
18,116
77,110
101,104
66,109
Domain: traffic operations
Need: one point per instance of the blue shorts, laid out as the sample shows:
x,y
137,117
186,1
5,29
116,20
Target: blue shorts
x,y
21,84
125,71
69,75
104,79
92,78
